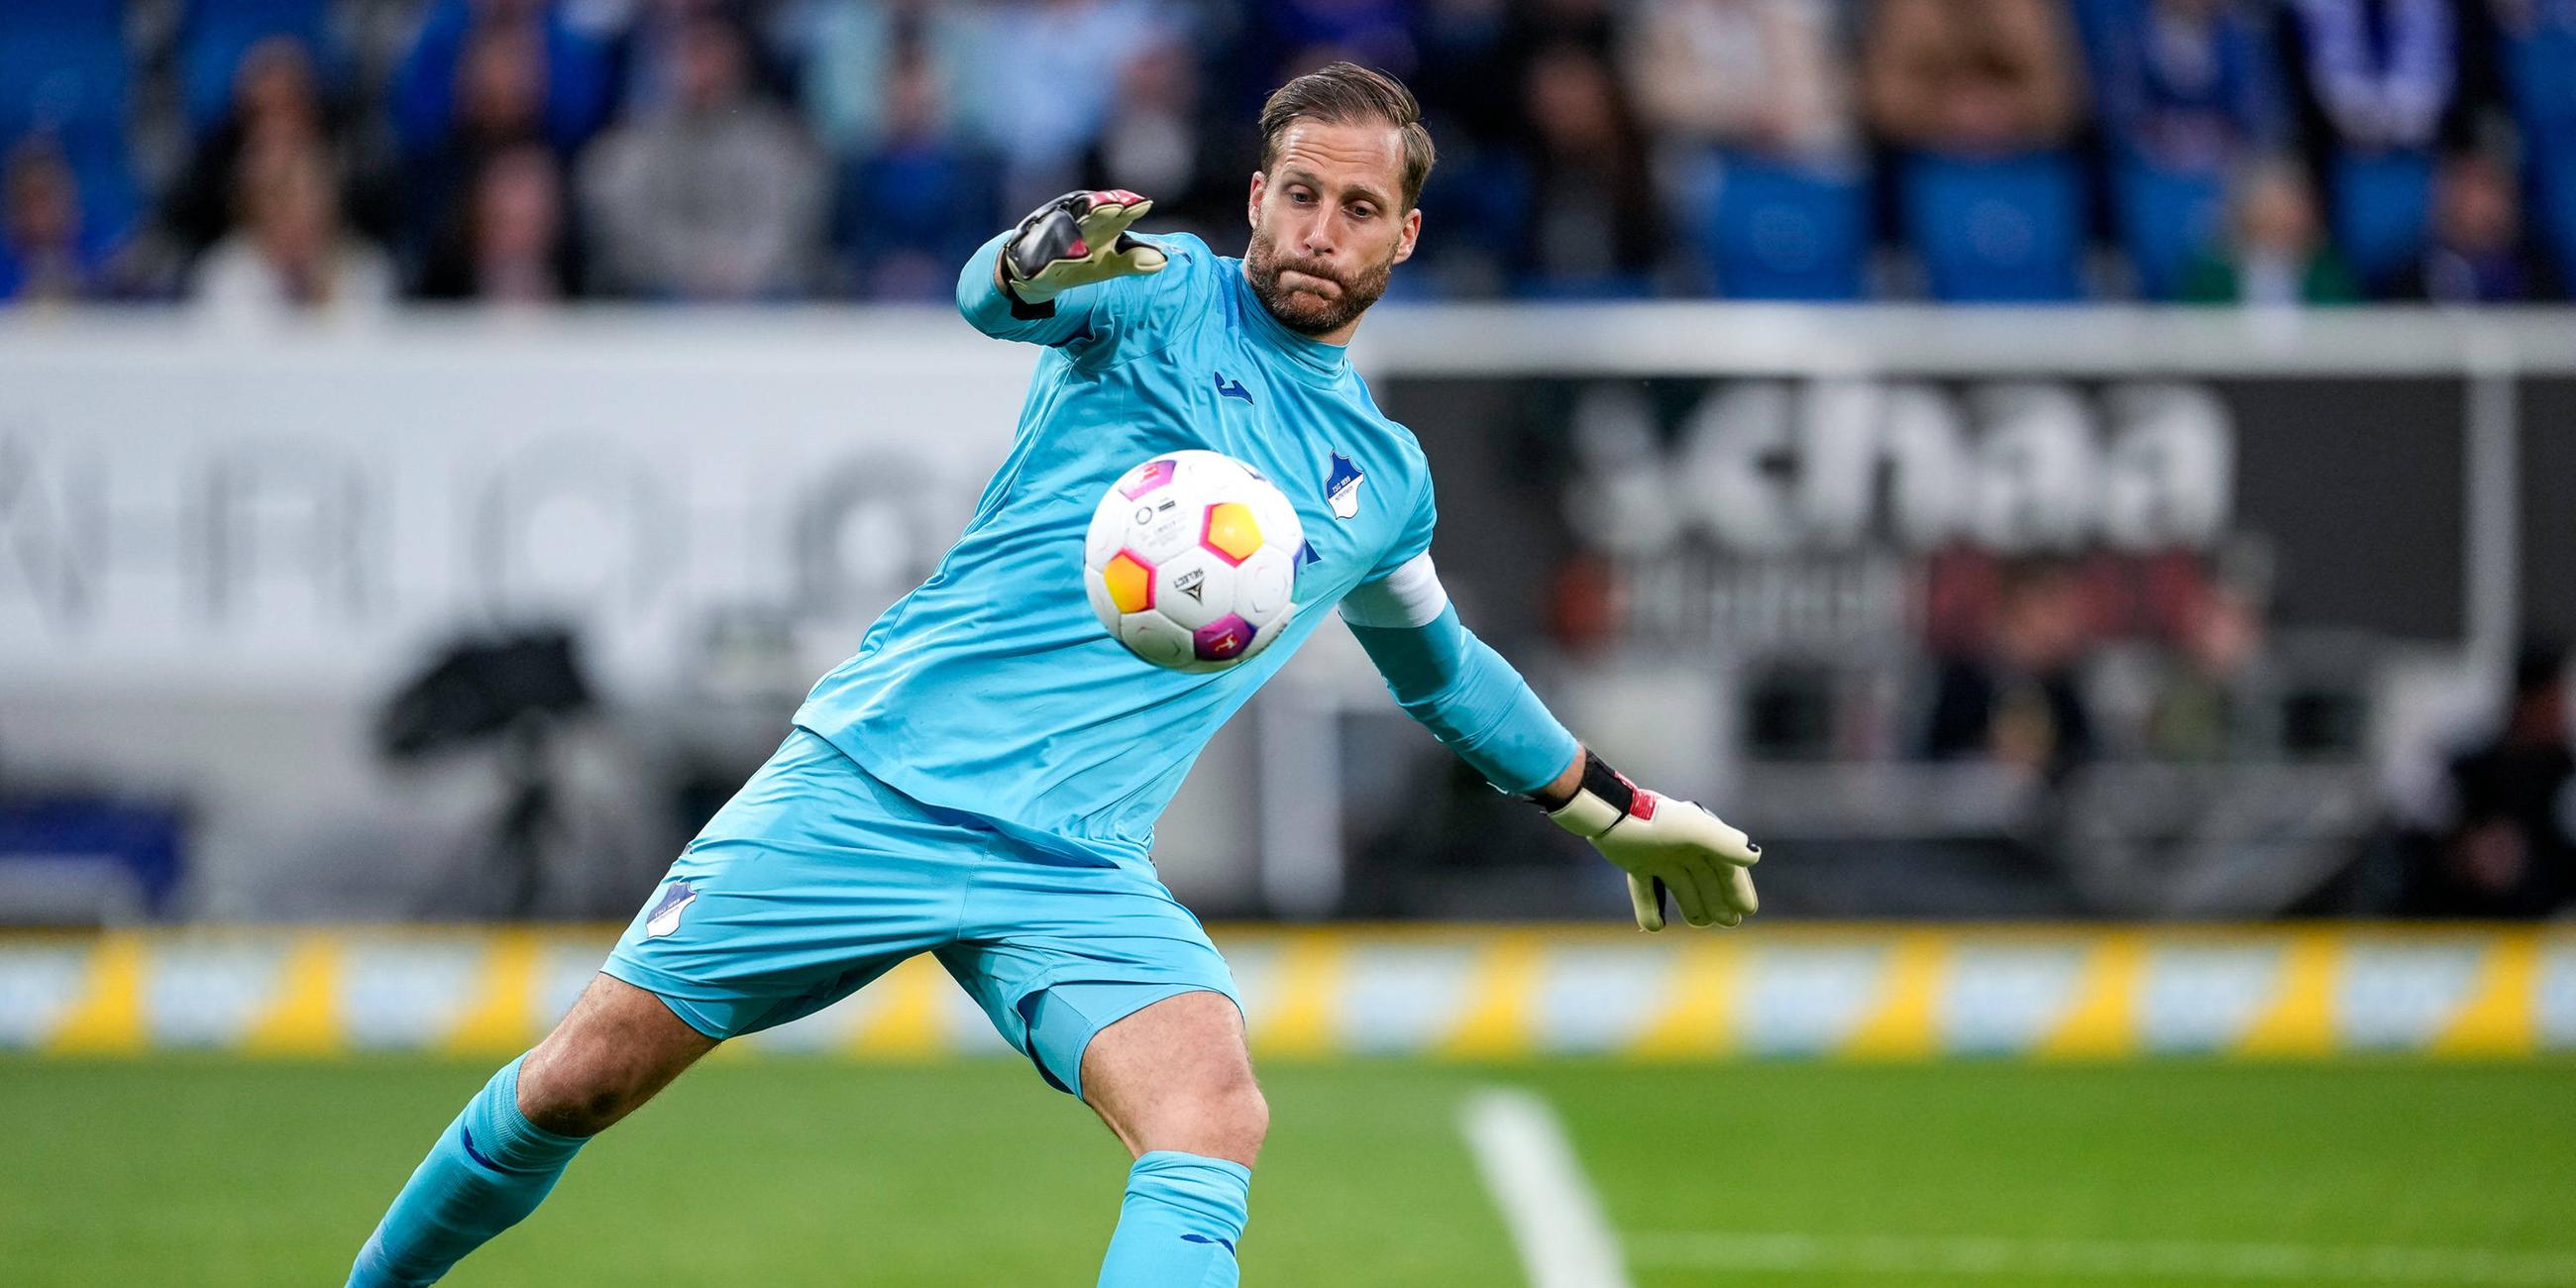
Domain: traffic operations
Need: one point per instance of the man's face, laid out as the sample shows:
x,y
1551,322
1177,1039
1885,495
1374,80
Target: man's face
x,y
1328,225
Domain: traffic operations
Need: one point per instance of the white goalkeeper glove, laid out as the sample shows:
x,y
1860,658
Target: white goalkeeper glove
x,y
1664,845
1075,240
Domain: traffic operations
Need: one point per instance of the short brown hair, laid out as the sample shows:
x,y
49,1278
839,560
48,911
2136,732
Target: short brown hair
x,y
1349,94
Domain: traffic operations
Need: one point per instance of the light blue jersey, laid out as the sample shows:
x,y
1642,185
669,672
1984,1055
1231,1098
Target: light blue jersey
x,y
991,689
981,781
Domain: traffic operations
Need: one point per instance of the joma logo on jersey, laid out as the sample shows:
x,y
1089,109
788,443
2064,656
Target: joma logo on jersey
x,y
1342,486
1232,389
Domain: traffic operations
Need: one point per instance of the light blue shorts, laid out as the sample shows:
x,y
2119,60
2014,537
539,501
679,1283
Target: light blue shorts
x,y
818,878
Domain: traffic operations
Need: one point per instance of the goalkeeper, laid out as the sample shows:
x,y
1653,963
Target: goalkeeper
x,y
980,782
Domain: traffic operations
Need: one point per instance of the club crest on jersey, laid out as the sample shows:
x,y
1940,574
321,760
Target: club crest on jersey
x,y
1342,487
665,917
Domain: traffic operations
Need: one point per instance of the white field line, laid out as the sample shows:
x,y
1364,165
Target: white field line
x,y
1529,1167
1908,1258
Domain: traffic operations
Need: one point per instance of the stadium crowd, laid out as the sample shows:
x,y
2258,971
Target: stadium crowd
x,y
269,154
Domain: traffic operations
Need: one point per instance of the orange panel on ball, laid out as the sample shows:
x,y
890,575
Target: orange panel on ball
x,y
1232,531
1131,583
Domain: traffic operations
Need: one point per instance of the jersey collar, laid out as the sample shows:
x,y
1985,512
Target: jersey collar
x,y
1325,361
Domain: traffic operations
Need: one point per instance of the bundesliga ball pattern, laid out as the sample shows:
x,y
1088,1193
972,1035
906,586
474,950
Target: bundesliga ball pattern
x,y
1191,561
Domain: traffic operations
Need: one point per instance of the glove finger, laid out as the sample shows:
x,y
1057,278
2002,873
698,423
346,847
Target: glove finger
x,y
1685,885
1735,890
1648,901
1138,257
1734,846
1111,212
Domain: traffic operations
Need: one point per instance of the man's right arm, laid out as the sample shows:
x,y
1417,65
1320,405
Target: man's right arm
x,y
1047,280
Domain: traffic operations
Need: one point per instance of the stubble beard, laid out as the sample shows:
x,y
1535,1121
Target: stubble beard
x,y
1307,312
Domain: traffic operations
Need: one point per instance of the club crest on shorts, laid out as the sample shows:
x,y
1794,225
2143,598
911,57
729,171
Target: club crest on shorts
x,y
1342,486
665,916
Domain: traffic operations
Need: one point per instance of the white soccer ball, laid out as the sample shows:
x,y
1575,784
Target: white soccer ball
x,y
1191,561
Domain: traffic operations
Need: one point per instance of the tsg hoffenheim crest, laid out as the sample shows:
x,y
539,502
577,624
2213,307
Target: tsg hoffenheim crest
x,y
665,917
1342,487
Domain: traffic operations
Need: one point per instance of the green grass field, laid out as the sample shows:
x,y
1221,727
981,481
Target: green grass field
x,y
179,1172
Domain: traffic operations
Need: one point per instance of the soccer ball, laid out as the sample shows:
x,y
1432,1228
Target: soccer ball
x,y
1191,561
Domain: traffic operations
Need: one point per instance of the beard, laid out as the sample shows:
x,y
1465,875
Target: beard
x,y
1302,307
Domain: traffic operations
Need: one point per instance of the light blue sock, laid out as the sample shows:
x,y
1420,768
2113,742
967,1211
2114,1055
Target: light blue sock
x,y
489,1169
1179,1225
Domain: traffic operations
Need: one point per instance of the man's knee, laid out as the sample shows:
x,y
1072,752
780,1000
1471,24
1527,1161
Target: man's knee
x,y
575,1092
617,1047
1243,1116
1220,1117
1175,1076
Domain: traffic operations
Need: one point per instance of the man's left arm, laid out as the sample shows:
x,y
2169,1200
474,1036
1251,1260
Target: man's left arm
x,y
1476,704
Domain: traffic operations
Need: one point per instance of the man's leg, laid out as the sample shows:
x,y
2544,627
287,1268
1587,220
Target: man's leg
x,y
1174,1081
494,1164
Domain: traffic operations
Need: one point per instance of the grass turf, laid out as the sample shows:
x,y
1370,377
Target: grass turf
x,y
184,1172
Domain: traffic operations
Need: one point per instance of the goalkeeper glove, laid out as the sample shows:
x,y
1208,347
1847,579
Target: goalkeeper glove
x,y
1075,240
1664,845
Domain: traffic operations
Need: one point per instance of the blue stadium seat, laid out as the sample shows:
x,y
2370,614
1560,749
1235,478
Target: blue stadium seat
x,y
2165,217
62,70
64,74
2003,231
2552,182
2538,72
1786,232
215,34
2380,203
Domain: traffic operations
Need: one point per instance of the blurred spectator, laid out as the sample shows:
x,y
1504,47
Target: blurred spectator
x,y
1305,34
1541,26
1765,76
1591,214
2380,73
499,107
2379,78
289,252
1723,152
2016,701
1982,95
277,102
2477,255
853,46
2277,252
2536,56
1465,81
2217,703
40,228
1046,86
649,50
919,203
717,197
2189,93
1159,141
1975,78
509,244
580,69
2511,848
2189,85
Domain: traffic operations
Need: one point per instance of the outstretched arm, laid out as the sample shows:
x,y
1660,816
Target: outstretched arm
x,y
1476,704
1044,280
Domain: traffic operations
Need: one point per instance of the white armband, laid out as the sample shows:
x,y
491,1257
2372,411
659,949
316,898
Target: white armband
x,y
1408,597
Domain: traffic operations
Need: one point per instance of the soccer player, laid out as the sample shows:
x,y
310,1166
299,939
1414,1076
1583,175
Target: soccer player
x,y
981,781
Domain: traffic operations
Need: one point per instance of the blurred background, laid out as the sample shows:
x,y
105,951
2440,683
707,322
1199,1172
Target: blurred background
x,y
2090,484
454,433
